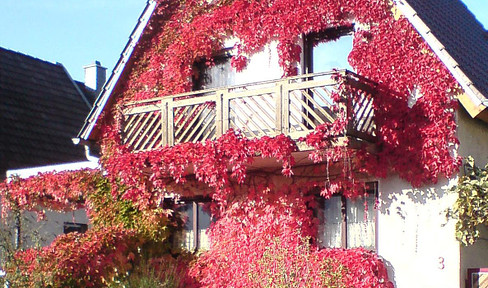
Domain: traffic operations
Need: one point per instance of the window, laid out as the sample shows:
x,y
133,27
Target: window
x,y
348,223
328,49
197,220
324,51
220,74
477,278
69,227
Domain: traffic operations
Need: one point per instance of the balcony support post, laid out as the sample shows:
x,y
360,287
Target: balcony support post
x,y
219,120
279,108
171,124
225,111
164,123
285,107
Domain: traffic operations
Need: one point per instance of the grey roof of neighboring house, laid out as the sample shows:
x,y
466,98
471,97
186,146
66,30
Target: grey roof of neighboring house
x,y
41,109
462,36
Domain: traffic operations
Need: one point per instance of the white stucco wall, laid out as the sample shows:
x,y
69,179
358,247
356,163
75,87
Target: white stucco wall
x,y
262,66
473,134
415,237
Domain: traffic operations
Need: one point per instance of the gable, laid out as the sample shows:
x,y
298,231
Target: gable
x,y
459,60
105,100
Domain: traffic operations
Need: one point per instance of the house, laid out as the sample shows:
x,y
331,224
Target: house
x,y
413,61
41,109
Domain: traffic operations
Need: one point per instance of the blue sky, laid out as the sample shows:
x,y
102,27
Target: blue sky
x,y
78,32
72,32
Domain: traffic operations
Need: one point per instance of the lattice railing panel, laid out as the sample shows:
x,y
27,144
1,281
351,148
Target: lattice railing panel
x,y
142,131
254,116
194,123
362,124
310,107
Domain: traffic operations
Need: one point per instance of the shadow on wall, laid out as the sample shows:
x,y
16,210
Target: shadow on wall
x,y
415,195
391,272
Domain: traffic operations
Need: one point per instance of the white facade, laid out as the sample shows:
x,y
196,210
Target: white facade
x,y
262,66
415,237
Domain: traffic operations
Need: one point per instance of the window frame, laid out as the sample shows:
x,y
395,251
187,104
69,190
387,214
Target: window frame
x,y
371,188
312,39
472,273
195,203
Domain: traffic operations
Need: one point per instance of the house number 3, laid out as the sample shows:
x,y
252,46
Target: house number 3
x,y
441,263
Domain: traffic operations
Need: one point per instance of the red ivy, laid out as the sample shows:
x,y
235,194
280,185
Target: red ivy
x,y
77,260
416,143
62,191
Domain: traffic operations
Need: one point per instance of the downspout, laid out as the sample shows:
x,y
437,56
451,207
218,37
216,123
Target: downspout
x,y
18,229
90,157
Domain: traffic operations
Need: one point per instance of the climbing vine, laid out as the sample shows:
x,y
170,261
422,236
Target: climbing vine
x,y
63,191
471,206
414,141
75,260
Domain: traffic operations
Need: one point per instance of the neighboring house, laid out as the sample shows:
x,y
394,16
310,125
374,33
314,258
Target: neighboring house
x,y
410,229
41,110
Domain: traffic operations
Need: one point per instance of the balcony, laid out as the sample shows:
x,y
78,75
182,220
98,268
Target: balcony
x,y
291,106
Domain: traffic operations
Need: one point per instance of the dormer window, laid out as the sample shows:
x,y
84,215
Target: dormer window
x,y
328,49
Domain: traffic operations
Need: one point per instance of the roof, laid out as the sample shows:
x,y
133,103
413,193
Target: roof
x,y
452,31
458,39
41,109
90,94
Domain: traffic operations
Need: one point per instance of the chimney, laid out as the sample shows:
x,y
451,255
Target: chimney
x,y
95,76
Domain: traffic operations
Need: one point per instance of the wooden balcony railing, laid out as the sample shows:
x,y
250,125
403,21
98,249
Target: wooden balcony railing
x,y
293,106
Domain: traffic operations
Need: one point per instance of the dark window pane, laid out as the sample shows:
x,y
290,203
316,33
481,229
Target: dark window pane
x,y
185,238
69,227
203,224
221,74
